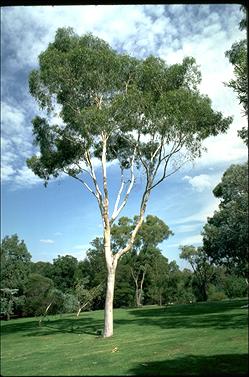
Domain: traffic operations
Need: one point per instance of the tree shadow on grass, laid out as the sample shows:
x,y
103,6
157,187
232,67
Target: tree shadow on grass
x,y
219,322
201,315
87,325
193,365
191,309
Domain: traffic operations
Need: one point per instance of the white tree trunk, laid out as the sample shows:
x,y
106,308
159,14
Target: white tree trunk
x,y
108,329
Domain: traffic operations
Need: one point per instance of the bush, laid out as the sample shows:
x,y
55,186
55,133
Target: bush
x,y
214,294
235,286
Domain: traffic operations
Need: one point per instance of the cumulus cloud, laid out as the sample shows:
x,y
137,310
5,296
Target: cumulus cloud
x,y
140,30
199,182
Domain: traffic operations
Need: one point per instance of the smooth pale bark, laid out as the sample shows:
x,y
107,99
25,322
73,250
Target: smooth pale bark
x,y
82,307
45,313
108,329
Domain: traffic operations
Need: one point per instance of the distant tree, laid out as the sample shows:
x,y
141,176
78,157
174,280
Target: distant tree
x,y
124,286
174,278
42,268
85,296
139,113
63,272
152,232
158,275
38,294
70,304
7,301
53,300
15,263
225,236
237,56
95,262
202,268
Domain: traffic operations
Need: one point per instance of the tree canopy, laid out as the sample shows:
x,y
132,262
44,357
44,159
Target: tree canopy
x,y
225,236
15,263
98,90
237,56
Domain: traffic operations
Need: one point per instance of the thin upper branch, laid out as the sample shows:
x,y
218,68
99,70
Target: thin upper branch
x,y
83,182
119,195
93,175
117,210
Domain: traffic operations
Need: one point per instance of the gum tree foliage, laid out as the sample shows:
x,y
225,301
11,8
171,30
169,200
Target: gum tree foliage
x,y
237,56
158,276
202,268
63,272
142,114
38,294
225,236
15,263
7,301
144,252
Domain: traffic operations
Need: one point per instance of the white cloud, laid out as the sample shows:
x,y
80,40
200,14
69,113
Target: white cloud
x,y
26,178
201,216
199,182
186,228
191,240
163,30
7,173
47,241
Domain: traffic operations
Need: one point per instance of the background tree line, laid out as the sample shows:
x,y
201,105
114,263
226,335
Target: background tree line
x,y
144,277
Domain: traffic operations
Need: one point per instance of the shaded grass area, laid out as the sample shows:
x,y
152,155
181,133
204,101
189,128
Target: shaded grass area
x,y
196,339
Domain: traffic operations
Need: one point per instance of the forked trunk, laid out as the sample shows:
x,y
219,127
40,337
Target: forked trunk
x,y
108,329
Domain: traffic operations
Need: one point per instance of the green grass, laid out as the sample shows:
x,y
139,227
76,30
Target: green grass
x,y
196,339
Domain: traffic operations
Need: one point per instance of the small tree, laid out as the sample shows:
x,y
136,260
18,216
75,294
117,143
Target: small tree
x,y
15,263
144,251
138,113
203,270
159,274
7,301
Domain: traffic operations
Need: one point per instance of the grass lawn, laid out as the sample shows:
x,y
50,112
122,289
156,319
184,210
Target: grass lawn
x,y
196,339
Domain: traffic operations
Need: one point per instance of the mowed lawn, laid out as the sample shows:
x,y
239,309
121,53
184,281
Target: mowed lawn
x,y
195,339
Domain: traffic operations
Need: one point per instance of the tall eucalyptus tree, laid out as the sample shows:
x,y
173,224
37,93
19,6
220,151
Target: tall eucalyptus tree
x,y
143,114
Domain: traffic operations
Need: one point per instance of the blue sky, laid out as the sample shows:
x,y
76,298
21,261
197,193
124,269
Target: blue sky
x,y
63,218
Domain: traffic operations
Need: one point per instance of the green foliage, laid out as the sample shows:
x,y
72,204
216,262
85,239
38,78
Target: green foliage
x,y
42,268
7,301
15,263
38,294
100,90
235,286
225,236
124,285
70,304
237,56
63,272
203,270
214,294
